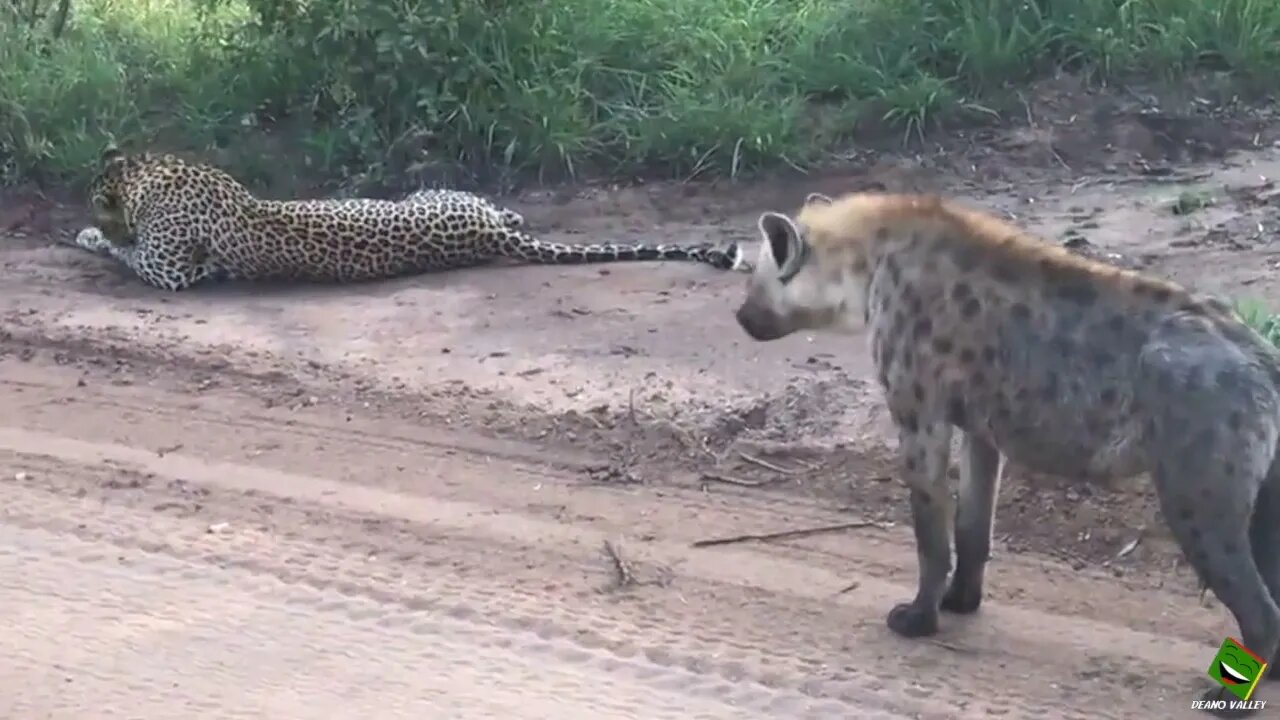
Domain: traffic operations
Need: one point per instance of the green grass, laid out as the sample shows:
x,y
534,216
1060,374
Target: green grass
x,y
1257,316
390,90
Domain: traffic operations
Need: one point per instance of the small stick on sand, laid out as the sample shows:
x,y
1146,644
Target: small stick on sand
x,y
952,647
803,532
730,480
849,588
768,465
622,569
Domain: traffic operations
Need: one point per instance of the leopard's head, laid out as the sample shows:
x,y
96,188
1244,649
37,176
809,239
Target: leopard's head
x,y
107,193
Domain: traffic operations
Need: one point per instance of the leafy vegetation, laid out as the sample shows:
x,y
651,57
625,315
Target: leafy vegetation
x,y
1257,316
385,89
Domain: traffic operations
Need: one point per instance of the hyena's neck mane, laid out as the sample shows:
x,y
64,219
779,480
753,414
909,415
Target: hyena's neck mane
x,y
927,235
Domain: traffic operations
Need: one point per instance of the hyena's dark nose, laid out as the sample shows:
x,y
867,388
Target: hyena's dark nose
x,y
757,325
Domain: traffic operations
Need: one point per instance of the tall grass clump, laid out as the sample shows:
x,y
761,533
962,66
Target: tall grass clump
x,y
1257,316
384,88
133,69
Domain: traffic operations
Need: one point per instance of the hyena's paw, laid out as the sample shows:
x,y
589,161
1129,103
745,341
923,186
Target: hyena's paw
x,y
962,598
912,621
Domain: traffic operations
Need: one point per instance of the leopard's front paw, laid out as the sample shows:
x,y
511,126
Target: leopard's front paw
x,y
92,239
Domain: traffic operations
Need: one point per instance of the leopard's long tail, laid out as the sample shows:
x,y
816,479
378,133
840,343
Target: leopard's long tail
x,y
526,248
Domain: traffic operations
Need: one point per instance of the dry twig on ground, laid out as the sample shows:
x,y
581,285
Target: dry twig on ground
x,y
787,534
730,480
769,465
624,576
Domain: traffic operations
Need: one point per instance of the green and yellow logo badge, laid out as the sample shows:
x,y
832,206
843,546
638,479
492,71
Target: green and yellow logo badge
x,y
1237,669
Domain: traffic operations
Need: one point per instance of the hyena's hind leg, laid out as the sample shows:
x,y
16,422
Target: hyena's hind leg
x,y
975,514
1264,541
1213,418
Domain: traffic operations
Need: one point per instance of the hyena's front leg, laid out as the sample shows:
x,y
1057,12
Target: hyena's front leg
x,y
923,453
979,484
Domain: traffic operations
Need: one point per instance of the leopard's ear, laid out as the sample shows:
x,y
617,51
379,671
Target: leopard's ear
x,y
113,162
111,154
817,199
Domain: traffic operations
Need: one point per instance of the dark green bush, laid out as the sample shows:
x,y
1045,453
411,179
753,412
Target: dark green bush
x,y
385,88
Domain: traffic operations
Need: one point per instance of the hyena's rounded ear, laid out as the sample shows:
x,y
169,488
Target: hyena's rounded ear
x,y
782,237
778,231
817,199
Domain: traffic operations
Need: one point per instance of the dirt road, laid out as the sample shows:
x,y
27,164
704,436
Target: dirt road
x,y
171,556
392,500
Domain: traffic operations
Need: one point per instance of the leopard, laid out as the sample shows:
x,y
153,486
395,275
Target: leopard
x,y
175,224
1028,353
427,196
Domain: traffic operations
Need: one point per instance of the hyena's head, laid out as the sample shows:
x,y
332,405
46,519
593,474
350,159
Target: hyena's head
x,y
807,276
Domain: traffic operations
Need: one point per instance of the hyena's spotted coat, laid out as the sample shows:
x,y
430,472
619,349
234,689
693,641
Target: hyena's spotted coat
x,y
1061,363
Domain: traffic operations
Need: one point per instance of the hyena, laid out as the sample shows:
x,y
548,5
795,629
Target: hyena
x,y
1060,363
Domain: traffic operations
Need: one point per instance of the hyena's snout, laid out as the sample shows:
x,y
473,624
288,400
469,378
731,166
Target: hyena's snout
x,y
760,324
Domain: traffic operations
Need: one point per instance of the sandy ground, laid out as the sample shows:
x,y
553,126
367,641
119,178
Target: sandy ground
x,y
392,500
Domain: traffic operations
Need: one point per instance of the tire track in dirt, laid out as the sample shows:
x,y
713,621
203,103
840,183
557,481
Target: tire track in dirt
x,y
257,638
761,616
533,623
424,460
